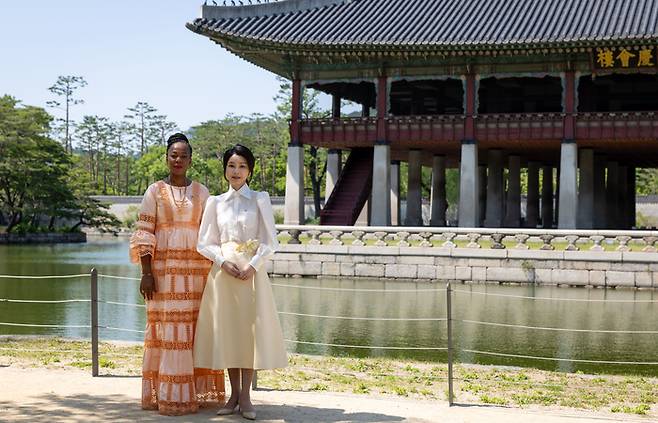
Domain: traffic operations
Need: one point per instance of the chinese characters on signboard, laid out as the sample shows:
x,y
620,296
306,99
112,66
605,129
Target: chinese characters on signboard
x,y
625,58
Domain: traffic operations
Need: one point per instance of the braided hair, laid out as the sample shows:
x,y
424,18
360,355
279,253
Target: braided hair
x,y
178,137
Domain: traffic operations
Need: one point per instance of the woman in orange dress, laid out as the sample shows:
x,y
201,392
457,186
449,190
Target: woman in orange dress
x,y
173,279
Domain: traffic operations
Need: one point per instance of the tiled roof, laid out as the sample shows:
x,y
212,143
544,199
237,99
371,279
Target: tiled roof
x,y
443,24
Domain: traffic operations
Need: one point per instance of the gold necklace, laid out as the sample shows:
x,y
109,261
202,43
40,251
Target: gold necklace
x,y
178,203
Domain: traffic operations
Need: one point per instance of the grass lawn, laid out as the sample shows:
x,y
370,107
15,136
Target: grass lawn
x,y
509,386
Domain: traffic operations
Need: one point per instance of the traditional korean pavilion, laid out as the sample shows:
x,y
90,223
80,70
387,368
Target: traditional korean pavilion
x,y
565,90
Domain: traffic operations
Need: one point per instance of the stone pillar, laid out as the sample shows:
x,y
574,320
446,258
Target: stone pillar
x,y
513,207
632,196
414,215
380,199
438,204
532,199
568,187
494,216
395,192
294,201
469,206
586,189
482,194
547,197
612,196
622,198
293,213
599,192
334,164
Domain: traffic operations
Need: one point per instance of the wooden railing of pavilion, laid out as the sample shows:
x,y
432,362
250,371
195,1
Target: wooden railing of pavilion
x,y
362,131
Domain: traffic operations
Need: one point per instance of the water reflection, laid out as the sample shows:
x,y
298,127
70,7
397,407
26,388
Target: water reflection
x,y
469,303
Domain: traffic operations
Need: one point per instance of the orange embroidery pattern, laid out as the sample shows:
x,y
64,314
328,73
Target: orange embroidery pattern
x,y
181,271
178,296
145,250
178,254
147,218
175,316
179,224
167,345
172,408
177,378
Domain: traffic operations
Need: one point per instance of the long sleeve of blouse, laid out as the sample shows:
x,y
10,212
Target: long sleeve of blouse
x,y
238,216
143,240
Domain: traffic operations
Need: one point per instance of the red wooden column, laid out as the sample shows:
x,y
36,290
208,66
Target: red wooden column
x,y
569,105
295,118
469,124
382,97
335,106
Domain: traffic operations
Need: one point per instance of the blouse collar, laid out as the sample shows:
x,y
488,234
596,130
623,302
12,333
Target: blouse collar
x,y
244,191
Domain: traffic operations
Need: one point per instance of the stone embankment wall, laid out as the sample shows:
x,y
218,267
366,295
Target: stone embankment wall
x,y
599,258
46,238
574,268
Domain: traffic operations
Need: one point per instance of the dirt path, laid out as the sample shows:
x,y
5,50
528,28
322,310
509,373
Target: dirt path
x,y
42,394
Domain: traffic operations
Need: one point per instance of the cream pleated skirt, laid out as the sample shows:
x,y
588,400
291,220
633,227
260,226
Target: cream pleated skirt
x,y
238,326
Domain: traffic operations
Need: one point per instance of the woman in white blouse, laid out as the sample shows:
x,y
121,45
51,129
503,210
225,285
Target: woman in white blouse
x,y
238,328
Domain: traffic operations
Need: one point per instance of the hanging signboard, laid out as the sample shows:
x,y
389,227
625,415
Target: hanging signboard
x,y
629,58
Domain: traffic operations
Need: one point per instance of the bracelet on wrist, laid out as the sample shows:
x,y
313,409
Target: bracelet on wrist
x,y
147,274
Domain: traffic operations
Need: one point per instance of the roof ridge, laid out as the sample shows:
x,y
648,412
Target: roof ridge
x,y
263,9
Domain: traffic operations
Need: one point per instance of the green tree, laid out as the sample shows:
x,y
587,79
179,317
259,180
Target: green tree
x,y
141,116
36,173
65,86
152,166
94,136
86,210
162,127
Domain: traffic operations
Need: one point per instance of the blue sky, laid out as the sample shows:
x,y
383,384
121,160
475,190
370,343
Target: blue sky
x,y
128,51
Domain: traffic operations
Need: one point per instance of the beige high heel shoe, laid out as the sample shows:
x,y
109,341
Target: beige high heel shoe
x,y
249,415
225,411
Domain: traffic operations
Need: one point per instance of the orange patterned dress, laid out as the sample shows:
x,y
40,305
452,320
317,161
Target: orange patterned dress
x,y
167,229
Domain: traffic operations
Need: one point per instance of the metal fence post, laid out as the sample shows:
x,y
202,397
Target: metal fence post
x,y
94,322
449,321
254,381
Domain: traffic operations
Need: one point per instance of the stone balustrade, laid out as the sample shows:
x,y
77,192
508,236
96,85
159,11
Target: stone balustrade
x,y
474,238
550,257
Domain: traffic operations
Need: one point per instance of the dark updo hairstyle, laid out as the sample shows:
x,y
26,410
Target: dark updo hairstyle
x,y
241,151
178,137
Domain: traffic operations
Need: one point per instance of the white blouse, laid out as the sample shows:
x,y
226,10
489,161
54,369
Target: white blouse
x,y
238,216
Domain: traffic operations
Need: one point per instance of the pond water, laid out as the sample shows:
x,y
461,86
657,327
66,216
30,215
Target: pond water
x,y
606,311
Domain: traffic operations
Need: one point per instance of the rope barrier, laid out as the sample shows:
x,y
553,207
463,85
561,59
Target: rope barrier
x,y
123,304
654,332
553,299
120,329
85,275
367,346
649,363
386,291
45,326
12,300
393,319
117,277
